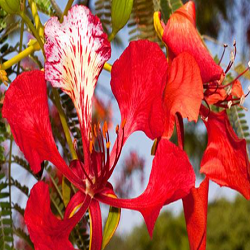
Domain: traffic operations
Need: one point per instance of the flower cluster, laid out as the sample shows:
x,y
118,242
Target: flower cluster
x,y
154,95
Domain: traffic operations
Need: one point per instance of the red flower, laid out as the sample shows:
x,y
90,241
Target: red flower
x,y
76,51
225,160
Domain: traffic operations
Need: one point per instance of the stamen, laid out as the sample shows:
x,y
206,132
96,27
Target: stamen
x,y
91,147
229,104
229,90
105,129
225,46
116,129
123,123
95,131
242,100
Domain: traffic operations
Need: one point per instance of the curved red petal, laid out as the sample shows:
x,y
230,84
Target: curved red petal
x,y
171,179
76,51
213,97
183,92
95,226
47,232
137,81
26,109
77,199
180,35
237,90
195,210
225,160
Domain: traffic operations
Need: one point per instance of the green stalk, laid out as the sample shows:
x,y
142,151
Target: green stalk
x,y
64,124
68,6
33,29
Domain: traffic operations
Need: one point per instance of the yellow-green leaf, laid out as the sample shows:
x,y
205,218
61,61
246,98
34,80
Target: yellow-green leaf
x,y
111,225
240,68
120,12
66,190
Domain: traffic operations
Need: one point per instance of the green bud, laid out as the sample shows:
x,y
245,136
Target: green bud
x,y
120,12
10,6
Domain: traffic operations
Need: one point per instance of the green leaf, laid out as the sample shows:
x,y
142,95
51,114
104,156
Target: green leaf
x,y
111,225
120,13
240,68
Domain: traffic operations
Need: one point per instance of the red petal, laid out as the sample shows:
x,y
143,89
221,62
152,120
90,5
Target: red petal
x,y
76,51
225,160
237,90
213,97
195,210
137,81
183,92
95,226
171,179
180,35
46,231
26,109
77,199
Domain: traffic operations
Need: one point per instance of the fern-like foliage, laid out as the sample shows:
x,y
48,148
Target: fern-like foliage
x,y
238,120
103,11
45,7
6,229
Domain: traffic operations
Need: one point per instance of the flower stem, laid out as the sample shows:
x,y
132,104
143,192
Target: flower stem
x,y
111,36
21,55
64,124
32,28
68,6
107,67
35,15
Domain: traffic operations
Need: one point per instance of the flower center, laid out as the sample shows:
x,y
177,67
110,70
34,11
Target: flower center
x,y
229,94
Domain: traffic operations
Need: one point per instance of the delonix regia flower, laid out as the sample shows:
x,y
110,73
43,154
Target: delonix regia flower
x,y
76,51
225,160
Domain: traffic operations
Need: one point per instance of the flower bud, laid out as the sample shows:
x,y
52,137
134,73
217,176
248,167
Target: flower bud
x,y
10,6
120,12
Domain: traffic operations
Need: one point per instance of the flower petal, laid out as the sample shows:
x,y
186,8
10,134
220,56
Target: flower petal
x,y
183,92
26,109
180,35
137,81
225,160
195,210
214,96
237,90
46,231
76,51
95,226
171,179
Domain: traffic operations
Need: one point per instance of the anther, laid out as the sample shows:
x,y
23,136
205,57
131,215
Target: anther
x,y
117,129
232,57
108,145
95,130
242,100
229,90
105,129
91,147
123,123
229,104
